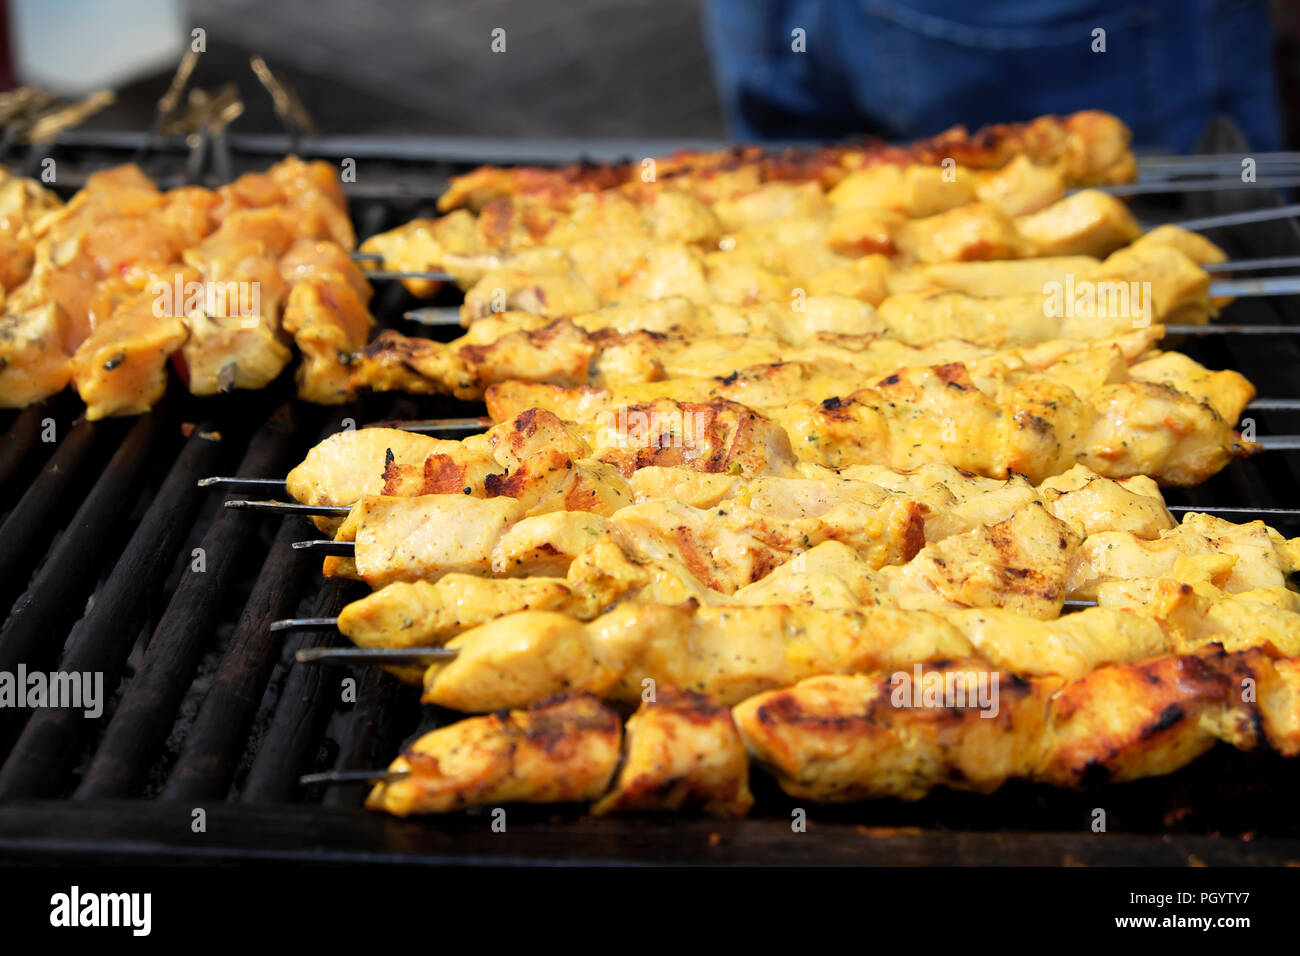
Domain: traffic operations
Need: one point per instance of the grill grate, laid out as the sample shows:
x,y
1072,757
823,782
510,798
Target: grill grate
x,y
97,574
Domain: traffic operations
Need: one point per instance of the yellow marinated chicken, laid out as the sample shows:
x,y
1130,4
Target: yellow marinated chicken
x,y
211,261
329,321
1262,558
837,738
721,438
566,749
23,202
681,750
1030,562
1196,597
561,353
998,552
540,515
424,611
1087,223
1089,148
518,459
958,501
33,364
121,369
732,652
527,207
609,251
233,323
840,738
995,416
788,259
425,537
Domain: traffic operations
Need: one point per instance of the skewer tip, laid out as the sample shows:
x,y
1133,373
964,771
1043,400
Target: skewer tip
x,y
352,776
305,624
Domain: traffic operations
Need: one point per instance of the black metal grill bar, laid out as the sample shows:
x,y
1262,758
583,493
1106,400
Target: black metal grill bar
x,y
368,742
57,595
307,698
149,706
51,742
19,439
212,748
29,525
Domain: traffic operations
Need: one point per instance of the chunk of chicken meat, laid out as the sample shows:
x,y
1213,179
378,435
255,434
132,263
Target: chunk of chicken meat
x,y
847,737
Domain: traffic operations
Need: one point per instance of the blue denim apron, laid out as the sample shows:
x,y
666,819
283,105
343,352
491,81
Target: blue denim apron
x,y
909,68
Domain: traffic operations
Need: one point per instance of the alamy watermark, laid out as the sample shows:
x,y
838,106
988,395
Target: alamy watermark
x,y
951,689
70,690
180,298
78,908
635,428
1102,299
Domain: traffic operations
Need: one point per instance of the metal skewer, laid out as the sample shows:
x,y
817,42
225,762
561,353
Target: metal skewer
x,y
352,776
1233,510
1267,442
1215,184
1232,329
383,275
305,624
1224,163
1279,442
1238,218
450,315
373,655
1246,288
433,316
1283,442
435,425
286,507
237,482
342,549
445,315
1248,265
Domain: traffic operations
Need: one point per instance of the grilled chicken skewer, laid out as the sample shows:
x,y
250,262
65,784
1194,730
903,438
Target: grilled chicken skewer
x,y
782,265
712,438
608,248
1165,417
710,455
850,737
1113,725
1089,147
828,371
549,506
680,750
434,316
1030,562
564,354
696,199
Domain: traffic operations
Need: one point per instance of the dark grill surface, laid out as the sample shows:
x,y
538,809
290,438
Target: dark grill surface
x,y
113,560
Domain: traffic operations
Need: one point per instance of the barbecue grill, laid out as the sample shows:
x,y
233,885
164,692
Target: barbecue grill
x,y
114,560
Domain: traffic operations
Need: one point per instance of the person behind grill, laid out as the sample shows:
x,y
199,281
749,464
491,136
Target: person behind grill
x,y
900,69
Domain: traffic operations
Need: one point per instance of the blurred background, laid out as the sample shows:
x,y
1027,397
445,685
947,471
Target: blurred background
x,y
683,69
